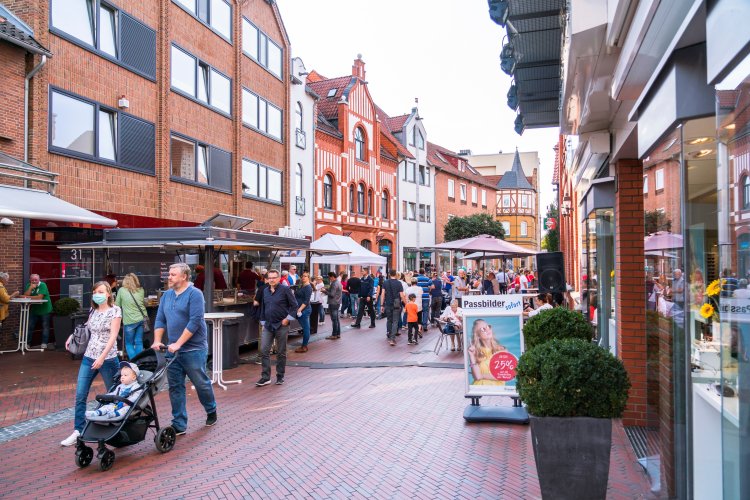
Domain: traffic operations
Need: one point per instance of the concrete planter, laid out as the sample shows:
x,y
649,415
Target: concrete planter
x,y
572,456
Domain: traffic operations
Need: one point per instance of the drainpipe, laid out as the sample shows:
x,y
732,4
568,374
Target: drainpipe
x,y
29,76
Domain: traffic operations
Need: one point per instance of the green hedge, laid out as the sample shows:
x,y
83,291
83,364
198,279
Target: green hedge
x,y
557,323
66,306
572,378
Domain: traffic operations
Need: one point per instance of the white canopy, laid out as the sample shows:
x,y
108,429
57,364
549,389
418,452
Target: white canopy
x,y
35,204
357,254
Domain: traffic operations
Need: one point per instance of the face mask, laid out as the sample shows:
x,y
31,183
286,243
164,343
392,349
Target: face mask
x,y
99,298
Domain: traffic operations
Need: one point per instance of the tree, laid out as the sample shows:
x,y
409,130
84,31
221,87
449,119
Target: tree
x,y
469,226
551,240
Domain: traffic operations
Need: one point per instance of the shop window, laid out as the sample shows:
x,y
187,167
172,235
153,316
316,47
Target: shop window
x,y
385,202
261,182
106,31
199,163
210,87
359,144
328,192
451,188
261,115
87,130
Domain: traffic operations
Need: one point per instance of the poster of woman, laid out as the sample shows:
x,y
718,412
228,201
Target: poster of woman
x,y
493,346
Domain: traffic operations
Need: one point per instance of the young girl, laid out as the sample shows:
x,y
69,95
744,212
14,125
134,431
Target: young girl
x,y
483,346
101,352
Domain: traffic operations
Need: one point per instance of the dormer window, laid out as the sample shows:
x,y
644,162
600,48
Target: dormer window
x,y
332,92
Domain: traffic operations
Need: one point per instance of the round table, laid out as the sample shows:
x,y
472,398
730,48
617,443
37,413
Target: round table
x,y
217,320
23,325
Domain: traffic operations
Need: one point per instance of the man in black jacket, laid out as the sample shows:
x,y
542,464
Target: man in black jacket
x,y
279,307
365,299
392,296
352,286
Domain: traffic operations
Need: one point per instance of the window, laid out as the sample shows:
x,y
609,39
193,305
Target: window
x,y
484,198
660,179
369,202
298,181
506,200
351,198
259,114
361,198
524,201
419,139
359,144
411,172
298,115
213,88
424,213
746,192
215,13
428,211
262,49
412,211
451,188
404,210
524,229
463,192
384,202
367,244
260,181
87,130
474,195
424,175
107,31
506,228
645,184
328,192
200,163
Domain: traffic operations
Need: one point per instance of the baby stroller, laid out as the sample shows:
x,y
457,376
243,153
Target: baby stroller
x,y
140,416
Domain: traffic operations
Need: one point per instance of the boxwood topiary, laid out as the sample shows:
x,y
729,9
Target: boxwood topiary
x,y
66,306
556,323
572,378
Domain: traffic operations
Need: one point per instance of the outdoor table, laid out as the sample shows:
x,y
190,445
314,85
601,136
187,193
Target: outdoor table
x,y
217,320
23,325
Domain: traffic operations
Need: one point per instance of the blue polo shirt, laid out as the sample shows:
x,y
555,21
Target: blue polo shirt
x,y
178,312
425,283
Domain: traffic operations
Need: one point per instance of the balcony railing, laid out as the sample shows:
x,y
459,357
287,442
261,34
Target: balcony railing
x,y
301,138
299,207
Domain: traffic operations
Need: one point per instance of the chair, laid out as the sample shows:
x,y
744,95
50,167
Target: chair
x,y
457,330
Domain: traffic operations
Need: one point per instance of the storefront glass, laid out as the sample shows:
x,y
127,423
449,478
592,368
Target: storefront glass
x,y
598,266
731,392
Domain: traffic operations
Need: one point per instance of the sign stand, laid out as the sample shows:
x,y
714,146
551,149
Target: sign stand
x,y
515,414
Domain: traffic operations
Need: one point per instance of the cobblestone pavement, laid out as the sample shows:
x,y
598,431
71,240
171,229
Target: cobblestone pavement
x,y
356,418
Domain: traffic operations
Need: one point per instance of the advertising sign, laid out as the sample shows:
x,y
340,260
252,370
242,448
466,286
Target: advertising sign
x,y
493,343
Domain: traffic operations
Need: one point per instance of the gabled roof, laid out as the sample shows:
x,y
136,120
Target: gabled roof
x,y
448,161
387,130
15,31
328,105
396,123
515,178
399,147
325,126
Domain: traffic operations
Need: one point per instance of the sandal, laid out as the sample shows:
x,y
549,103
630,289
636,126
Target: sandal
x,y
302,348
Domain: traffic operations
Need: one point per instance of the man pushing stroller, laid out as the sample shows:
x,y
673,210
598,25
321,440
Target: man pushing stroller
x,y
127,388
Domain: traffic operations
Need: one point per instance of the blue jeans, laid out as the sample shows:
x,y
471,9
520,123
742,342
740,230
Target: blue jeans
x,y
354,299
346,305
33,318
335,323
322,313
425,312
86,376
192,364
133,339
304,322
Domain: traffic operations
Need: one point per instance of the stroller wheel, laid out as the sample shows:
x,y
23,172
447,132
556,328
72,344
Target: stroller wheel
x,y
165,439
107,460
84,456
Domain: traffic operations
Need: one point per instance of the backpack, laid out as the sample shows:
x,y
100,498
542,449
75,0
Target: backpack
x,y
79,339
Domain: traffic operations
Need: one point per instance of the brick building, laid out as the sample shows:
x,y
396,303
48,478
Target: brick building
x,y
180,111
356,164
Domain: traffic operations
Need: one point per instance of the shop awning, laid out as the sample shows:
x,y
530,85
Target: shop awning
x,y
344,251
35,204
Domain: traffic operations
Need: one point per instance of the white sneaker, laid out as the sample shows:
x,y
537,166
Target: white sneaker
x,y
44,346
70,440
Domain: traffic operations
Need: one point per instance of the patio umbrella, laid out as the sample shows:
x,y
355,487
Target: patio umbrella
x,y
662,240
486,244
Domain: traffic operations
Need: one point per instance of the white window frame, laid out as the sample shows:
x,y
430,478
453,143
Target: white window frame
x,y
451,188
474,195
659,184
506,227
524,230
506,201
645,184
462,189
484,197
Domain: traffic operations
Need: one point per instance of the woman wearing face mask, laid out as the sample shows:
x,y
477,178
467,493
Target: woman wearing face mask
x,y
101,353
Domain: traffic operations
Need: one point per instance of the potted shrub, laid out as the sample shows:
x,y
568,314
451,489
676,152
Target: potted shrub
x,y
63,319
572,389
556,323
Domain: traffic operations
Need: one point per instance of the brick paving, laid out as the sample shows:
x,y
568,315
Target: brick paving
x,y
334,430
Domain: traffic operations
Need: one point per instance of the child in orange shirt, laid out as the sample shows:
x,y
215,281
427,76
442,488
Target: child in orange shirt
x,y
412,318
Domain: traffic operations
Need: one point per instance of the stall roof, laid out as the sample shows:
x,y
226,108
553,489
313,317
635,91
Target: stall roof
x,y
35,204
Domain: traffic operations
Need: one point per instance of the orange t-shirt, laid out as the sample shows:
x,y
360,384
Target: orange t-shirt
x,y
412,310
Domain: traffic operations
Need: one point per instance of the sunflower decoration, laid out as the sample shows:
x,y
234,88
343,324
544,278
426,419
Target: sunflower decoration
x,y
714,288
707,311
710,310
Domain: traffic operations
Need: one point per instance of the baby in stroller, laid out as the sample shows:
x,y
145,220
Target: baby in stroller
x,y
128,388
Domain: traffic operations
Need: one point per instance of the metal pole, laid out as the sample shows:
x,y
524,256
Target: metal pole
x,y
208,281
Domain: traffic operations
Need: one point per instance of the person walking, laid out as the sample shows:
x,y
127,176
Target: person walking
x,y
412,318
460,286
181,314
5,297
37,289
278,309
424,282
334,293
365,299
302,295
130,300
502,281
392,296
100,356
320,286
436,298
353,285
316,304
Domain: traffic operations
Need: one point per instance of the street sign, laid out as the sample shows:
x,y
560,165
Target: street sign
x,y
550,223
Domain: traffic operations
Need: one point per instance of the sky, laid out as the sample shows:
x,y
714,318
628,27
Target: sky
x,y
444,52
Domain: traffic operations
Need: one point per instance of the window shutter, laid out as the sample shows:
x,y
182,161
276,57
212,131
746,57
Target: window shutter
x,y
138,45
221,169
137,148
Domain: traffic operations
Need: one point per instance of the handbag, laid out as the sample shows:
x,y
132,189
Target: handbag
x,y
146,322
79,339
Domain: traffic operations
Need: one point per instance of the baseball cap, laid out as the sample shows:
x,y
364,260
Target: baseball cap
x,y
132,366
